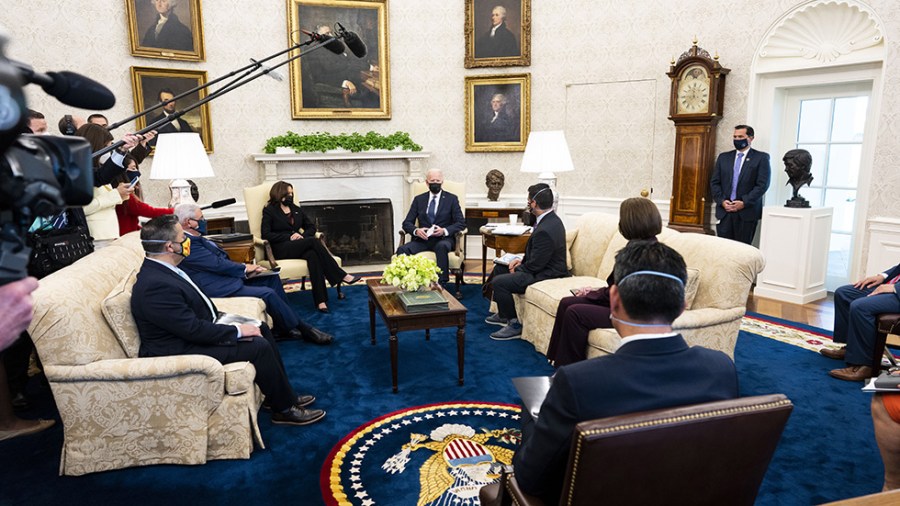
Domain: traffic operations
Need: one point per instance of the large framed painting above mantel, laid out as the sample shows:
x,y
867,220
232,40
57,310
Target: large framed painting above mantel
x,y
325,85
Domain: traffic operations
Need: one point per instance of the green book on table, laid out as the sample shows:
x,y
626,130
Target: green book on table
x,y
418,302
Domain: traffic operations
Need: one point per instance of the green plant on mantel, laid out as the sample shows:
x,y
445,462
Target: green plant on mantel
x,y
355,142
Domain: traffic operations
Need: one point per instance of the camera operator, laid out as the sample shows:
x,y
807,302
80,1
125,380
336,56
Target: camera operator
x,y
37,123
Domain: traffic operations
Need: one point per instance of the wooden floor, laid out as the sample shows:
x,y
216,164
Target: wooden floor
x,y
818,314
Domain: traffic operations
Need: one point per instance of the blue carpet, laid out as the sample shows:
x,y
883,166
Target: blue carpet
x,y
827,452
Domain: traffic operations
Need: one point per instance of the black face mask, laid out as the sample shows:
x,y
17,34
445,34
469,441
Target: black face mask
x,y
434,188
288,199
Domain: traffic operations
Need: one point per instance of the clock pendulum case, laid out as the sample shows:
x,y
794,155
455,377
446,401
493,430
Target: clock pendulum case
x,y
695,106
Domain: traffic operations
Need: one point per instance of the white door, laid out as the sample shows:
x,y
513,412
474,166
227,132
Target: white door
x,y
830,122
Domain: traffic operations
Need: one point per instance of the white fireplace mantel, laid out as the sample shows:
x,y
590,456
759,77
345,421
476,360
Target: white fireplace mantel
x,y
349,176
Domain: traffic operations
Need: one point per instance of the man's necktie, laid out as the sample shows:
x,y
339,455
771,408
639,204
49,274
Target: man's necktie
x,y
737,175
431,206
894,280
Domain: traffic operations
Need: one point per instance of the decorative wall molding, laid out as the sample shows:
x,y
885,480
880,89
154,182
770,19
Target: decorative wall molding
x,y
823,32
883,245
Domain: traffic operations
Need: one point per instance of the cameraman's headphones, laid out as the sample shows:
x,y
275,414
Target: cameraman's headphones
x,y
68,125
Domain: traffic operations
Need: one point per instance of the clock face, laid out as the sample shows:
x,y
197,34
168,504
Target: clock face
x,y
693,91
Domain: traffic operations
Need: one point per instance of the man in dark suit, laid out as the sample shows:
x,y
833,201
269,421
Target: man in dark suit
x,y
738,185
856,307
545,258
499,42
218,276
168,32
654,368
174,317
178,125
439,217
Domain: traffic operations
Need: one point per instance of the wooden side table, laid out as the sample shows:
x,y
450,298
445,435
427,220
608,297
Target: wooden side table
x,y
500,243
239,251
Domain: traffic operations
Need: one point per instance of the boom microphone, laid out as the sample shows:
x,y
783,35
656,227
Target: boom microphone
x,y
353,42
220,203
70,88
334,45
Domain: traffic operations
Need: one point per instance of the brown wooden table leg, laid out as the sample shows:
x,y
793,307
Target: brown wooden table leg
x,y
460,349
372,319
483,261
393,342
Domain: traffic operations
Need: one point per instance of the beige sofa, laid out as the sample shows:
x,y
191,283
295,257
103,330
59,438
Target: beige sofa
x,y
720,273
122,411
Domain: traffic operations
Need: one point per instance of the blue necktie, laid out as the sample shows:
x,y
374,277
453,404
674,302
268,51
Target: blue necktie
x,y
431,206
737,175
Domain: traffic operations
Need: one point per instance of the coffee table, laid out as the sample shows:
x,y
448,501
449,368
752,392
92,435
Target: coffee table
x,y
383,298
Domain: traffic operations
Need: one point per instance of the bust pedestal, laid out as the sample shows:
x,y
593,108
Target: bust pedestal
x,y
794,243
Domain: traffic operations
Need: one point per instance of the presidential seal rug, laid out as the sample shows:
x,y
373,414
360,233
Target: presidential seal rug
x,y
437,454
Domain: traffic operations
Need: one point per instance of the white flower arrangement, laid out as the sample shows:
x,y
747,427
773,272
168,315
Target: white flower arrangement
x,y
410,272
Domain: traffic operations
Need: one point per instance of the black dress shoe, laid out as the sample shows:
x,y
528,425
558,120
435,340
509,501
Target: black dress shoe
x,y
353,281
316,336
298,416
20,402
290,334
304,400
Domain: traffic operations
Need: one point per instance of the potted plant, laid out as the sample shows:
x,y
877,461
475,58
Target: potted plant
x,y
355,142
411,272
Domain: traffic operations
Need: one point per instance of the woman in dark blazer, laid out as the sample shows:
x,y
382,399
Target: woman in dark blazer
x,y
292,234
588,309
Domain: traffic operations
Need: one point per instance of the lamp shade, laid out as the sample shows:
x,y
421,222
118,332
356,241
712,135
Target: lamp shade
x,y
180,155
547,152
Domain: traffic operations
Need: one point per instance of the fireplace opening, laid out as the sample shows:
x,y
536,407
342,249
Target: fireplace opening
x,y
361,232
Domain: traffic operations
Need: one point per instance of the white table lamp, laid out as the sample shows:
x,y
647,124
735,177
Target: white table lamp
x,y
546,153
180,156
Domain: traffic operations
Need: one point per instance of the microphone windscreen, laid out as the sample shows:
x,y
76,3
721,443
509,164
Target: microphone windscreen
x,y
355,44
79,91
222,203
335,46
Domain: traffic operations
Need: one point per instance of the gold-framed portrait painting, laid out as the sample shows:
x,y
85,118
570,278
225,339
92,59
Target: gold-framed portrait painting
x,y
498,33
325,85
498,112
152,86
167,29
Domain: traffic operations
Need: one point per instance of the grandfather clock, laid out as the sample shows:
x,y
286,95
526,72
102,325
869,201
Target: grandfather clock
x,y
698,94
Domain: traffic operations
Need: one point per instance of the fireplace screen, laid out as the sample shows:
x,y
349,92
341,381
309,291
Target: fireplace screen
x,y
359,231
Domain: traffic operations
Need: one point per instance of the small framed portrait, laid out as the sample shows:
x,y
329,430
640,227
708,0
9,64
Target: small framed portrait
x,y
498,33
167,29
153,86
498,112
351,82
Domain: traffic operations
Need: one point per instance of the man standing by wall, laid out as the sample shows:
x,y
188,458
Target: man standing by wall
x,y
738,184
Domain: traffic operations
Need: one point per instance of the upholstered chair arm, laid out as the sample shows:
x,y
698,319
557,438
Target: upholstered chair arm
x,y
706,317
402,237
461,243
250,307
140,373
